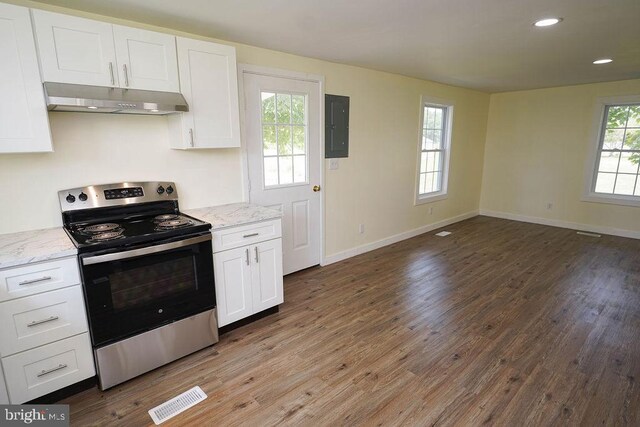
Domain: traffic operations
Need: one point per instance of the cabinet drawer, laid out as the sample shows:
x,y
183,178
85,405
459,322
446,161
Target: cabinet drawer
x,y
43,370
40,319
235,237
35,278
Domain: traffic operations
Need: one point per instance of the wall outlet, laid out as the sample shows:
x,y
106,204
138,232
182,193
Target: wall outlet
x,y
549,206
361,229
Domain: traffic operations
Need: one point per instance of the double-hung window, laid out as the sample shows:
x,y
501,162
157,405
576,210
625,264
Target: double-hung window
x,y
615,174
434,150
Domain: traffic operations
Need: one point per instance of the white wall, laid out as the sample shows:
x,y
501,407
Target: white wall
x,y
536,153
102,148
374,186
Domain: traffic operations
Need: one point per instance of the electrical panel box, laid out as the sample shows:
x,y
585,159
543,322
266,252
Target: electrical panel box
x,y
336,135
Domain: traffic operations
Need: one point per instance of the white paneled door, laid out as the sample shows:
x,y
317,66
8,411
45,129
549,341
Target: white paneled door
x,y
282,130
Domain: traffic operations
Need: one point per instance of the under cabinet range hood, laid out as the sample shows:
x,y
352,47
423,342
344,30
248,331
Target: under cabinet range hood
x,y
98,99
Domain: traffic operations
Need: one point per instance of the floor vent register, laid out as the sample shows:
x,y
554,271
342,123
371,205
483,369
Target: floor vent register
x,y
177,405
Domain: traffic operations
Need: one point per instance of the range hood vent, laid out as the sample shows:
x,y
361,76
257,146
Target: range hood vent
x,y
98,99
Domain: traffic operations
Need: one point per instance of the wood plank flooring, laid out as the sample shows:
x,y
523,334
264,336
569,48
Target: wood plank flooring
x,y
500,323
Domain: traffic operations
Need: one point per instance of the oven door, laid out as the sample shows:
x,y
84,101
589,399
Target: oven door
x,y
142,288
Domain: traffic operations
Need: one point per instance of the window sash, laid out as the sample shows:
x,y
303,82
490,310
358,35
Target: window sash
x,y
601,150
443,144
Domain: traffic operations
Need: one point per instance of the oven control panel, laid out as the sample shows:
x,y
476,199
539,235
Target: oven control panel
x,y
123,193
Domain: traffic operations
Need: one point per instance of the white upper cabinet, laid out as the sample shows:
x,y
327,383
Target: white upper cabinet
x,y
86,52
24,124
146,59
75,50
209,83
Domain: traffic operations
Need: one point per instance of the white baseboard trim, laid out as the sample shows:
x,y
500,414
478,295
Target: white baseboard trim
x,y
563,224
330,259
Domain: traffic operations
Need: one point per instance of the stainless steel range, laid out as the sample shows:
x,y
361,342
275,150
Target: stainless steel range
x,y
147,272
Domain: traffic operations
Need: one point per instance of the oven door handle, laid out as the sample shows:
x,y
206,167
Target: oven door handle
x,y
98,259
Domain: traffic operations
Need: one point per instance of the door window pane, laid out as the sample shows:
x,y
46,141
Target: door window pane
x,y
283,110
284,140
269,140
268,107
270,171
299,169
299,140
297,110
285,164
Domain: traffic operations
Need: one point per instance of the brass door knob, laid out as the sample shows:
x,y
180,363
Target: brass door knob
x,y
316,188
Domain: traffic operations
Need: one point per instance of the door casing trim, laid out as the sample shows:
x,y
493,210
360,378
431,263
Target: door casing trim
x,y
293,75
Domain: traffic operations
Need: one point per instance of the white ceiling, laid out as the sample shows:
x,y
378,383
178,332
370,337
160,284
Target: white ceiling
x,y
490,45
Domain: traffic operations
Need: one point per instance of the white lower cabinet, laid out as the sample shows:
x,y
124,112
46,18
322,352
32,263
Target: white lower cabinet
x,y
42,370
233,285
44,338
266,275
248,279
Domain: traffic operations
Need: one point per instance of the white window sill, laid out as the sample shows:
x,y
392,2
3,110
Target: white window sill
x,y
429,198
612,199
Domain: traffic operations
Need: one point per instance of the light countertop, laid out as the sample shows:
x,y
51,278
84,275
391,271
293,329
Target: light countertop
x,y
34,246
51,243
234,214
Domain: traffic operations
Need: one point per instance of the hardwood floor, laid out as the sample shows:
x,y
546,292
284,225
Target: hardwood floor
x,y
500,323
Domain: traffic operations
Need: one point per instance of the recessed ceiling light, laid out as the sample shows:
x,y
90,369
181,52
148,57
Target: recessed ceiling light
x,y
154,111
602,61
92,108
547,22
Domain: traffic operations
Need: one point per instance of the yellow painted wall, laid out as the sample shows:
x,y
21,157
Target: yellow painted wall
x,y
374,186
536,152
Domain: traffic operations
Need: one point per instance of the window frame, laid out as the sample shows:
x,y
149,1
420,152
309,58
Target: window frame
x,y
428,101
595,149
276,125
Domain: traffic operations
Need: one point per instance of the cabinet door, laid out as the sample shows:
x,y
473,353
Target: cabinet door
x,y
24,122
146,59
233,284
75,50
266,272
209,82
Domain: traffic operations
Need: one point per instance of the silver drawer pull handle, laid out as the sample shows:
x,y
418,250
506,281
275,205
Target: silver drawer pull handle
x,y
28,282
40,322
251,235
256,248
48,371
247,250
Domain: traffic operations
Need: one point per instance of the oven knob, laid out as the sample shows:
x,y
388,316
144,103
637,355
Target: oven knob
x,y
169,189
83,197
160,189
71,198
